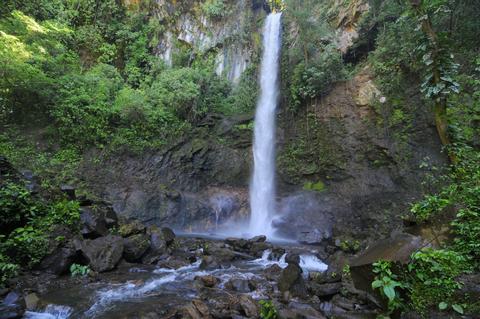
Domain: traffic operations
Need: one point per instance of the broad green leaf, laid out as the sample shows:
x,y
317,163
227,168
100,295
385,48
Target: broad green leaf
x,y
389,292
458,309
377,284
443,305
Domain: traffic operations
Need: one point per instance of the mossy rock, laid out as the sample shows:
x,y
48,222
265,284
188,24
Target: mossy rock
x,y
317,187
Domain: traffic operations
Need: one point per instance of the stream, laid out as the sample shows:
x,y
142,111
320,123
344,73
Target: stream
x,y
136,291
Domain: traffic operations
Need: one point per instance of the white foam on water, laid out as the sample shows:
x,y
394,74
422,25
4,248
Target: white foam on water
x,y
266,261
310,263
193,266
50,312
127,291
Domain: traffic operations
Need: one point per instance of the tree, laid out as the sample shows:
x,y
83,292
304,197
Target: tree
x,y
438,80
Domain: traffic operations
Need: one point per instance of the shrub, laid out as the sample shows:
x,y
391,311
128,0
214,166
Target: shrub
x,y
433,277
26,245
389,284
316,78
7,269
214,8
16,207
267,310
79,270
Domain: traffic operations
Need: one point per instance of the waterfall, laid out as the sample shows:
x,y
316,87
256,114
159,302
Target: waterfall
x,y
262,189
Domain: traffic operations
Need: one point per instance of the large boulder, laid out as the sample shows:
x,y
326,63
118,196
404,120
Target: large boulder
x,y
208,263
135,247
168,235
12,307
60,260
249,306
208,281
398,248
157,240
103,253
221,254
291,282
299,310
94,224
240,285
325,290
131,228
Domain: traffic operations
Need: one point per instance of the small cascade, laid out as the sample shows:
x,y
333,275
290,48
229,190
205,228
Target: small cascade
x,y
262,190
50,312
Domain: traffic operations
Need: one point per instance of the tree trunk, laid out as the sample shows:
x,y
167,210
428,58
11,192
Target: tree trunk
x,y
440,103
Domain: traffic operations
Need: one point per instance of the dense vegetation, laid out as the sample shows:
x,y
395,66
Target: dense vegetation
x,y
85,73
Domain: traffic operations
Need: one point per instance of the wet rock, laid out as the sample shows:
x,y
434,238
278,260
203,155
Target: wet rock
x,y
135,247
314,237
297,310
273,272
132,228
326,277
291,281
249,306
325,290
94,224
343,303
277,252
292,258
258,239
221,254
208,262
59,261
157,240
196,310
31,301
239,285
208,281
258,248
168,235
103,253
173,262
109,214
12,307
239,244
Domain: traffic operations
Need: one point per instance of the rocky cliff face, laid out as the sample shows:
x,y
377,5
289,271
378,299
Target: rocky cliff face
x,y
342,171
227,29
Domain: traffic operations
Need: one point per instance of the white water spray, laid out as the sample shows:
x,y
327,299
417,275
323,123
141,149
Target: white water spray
x,y
262,190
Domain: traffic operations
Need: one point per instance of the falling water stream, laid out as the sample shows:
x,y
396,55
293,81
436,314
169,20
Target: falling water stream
x,y
262,189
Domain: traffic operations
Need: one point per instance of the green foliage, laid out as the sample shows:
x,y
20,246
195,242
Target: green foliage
x,y
214,8
244,95
429,206
311,62
433,277
267,310
26,245
54,167
350,246
388,284
16,207
315,79
30,53
77,270
7,269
